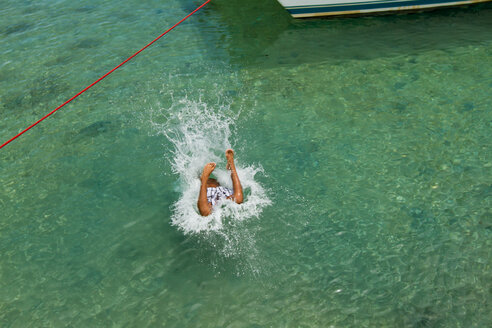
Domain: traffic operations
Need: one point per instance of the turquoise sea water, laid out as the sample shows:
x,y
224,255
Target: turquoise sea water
x,y
363,145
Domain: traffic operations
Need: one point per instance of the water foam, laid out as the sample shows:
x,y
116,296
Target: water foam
x,y
201,133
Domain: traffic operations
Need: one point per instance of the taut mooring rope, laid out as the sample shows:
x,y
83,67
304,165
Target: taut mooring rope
x,y
102,77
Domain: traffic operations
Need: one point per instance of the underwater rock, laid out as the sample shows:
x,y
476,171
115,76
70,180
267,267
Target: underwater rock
x,y
401,107
483,190
76,251
84,9
39,91
421,218
416,212
300,155
399,85
85,276
424,318
468,106
412,61
12,101
86,44
127,251
16,28
231,93
96,129
294,54
60,60
3,76
46,89
485,221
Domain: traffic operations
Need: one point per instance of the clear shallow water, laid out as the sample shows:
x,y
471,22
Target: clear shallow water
x,y
370,137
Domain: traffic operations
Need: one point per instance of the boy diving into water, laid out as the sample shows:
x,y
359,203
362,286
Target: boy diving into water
x,y
211,191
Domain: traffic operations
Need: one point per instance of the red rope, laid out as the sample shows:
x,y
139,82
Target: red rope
x,y
102,77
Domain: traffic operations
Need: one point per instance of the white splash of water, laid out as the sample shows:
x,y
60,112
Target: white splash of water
x,y
200,134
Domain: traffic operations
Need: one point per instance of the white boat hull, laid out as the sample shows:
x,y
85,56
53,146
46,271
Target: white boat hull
x,y
313,8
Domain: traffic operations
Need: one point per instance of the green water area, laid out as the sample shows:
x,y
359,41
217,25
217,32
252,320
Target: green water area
x,y
363,145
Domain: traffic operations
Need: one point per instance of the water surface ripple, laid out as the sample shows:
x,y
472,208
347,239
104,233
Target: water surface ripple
x,y
369,138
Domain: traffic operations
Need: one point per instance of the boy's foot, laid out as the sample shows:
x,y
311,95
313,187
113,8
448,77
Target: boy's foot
x,y
207,170
230,158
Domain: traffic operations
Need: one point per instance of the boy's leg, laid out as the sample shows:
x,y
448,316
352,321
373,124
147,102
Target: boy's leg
x,y
204,206
236,184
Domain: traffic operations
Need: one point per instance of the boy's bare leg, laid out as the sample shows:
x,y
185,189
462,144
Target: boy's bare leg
x,y
204,206
236,184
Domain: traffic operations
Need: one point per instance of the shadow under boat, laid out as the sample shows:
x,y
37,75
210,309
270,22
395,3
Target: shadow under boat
x,y
261,33
372,37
